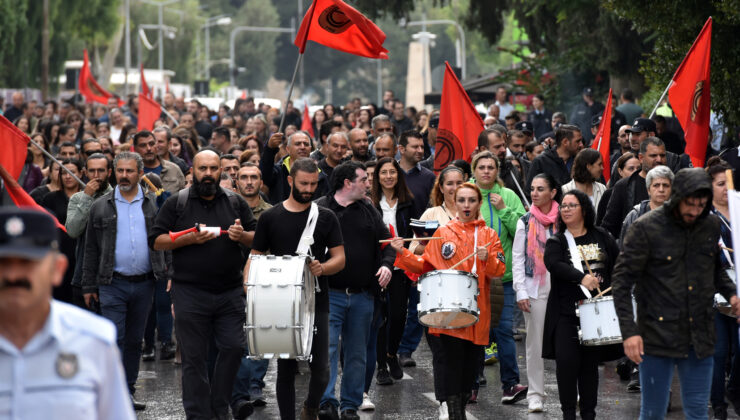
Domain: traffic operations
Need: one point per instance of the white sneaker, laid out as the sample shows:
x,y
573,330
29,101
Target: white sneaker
x,y
535,405
443,414
366,405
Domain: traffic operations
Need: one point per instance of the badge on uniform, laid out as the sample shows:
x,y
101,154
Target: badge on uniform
x,y
448,250
501,257
67,365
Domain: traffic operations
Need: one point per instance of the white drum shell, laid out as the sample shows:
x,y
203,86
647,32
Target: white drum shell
x,y
448,299
280,307
599,324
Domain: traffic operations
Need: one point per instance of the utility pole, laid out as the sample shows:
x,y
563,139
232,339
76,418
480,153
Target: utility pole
x,y
127,48
45,53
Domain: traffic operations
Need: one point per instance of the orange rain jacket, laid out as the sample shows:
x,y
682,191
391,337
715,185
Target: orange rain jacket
x,y
441,254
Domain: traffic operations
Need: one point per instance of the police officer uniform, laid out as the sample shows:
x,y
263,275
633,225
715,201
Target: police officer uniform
x,y
71,368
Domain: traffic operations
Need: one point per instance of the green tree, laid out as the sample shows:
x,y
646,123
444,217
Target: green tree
x,y
674,25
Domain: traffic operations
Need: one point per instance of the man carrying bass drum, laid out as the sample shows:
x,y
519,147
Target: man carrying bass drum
x,y
279,231
465,236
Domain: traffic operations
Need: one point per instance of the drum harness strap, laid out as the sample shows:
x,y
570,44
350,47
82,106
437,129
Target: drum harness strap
x,y
304,244
475,249
575,258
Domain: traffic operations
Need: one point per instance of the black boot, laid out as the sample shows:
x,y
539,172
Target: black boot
x,y
464,398
455,407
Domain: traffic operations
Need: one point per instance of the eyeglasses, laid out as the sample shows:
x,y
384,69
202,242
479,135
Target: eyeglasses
x,y
564,207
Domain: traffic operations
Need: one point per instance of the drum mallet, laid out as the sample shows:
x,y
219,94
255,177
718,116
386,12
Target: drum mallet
x,y
605,291
583,257
196,228
469,256
385,241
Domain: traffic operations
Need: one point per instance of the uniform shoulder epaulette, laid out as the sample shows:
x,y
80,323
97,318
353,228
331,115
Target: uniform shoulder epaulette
x,y
85,322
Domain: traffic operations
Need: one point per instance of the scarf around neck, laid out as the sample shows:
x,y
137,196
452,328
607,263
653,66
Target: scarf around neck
x,y
537,236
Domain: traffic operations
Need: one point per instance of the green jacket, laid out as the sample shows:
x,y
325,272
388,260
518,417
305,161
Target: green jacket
x,y
503,221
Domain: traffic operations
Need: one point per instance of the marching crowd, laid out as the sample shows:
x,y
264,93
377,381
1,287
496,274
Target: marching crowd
x,y
530,207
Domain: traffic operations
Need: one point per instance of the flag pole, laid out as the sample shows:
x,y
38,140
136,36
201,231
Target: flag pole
x,y
49,155
657,104
169,115
290,92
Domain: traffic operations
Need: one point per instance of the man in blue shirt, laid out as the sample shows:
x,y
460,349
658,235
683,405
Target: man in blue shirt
x,y
55,360
119,268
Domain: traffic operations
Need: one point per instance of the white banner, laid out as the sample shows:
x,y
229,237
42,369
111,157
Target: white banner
x,y
733,197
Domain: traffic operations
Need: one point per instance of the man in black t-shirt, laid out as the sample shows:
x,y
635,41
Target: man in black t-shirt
x,y
278,232
206,295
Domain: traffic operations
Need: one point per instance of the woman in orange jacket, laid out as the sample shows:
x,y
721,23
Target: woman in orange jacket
x,y
463,347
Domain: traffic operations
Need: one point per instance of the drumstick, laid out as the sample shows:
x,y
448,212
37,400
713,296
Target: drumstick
x,y
385,241
468,257
724,247
583,257
157,191
605,291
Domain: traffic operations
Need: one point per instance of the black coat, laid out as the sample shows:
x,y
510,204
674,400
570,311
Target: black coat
x,y
675,269
564,275
549,162
275,176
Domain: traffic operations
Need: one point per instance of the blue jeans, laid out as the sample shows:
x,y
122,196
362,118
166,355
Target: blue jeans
x,y
249,378
656,375
127,305
726,344
349,316
504,338
160,317
372,342
413,330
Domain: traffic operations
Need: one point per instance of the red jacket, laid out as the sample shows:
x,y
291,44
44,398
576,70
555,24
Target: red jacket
x,y
458,238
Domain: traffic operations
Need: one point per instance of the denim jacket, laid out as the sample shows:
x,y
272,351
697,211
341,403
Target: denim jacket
x,y
100,243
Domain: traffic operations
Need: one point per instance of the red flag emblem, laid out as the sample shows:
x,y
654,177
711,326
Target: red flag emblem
x,y
337,25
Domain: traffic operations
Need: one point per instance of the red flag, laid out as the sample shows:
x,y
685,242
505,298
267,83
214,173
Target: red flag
x,y
337,25
149,112
689,95
459,123
89,88
144,87
307,125
14,146
21,198
603,136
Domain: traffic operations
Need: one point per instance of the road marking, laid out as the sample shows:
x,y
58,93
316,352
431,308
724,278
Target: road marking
x,y
431,397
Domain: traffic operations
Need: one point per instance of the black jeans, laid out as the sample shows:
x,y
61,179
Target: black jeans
x,y
577,370
435,345
459,365
396,303
288,368
199,316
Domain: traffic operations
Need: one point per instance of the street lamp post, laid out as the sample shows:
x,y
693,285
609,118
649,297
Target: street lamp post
x,y
460,48
232,44
160,5
221,20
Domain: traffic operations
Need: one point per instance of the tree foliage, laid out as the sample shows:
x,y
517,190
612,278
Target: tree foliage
x,y
72,23
674,25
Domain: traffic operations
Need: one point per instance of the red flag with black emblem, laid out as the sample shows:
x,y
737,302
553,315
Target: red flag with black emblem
x,y
21,198
306,124
689,95
459,123
337,25
14,146
89,87
603,136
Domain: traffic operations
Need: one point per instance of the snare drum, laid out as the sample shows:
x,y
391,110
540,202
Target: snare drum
x,y
599,324
280,307
448,299
720,302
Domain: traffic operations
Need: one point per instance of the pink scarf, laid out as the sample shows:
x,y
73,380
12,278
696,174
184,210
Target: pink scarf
x,y
537,236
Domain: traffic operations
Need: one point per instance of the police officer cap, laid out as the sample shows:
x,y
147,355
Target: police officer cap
x,y
26,233
642,124
434,121
588,92
596,120
524,127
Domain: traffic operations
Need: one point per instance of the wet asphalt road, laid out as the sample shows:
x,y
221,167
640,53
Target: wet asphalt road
x,y
413,396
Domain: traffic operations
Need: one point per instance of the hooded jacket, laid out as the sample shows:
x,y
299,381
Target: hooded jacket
x,y
549,162
675,270
459,237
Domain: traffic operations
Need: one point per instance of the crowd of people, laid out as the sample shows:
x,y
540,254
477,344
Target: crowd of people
x,y
529,214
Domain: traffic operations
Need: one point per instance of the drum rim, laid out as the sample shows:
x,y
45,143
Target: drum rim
x,y
475,313
448,271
